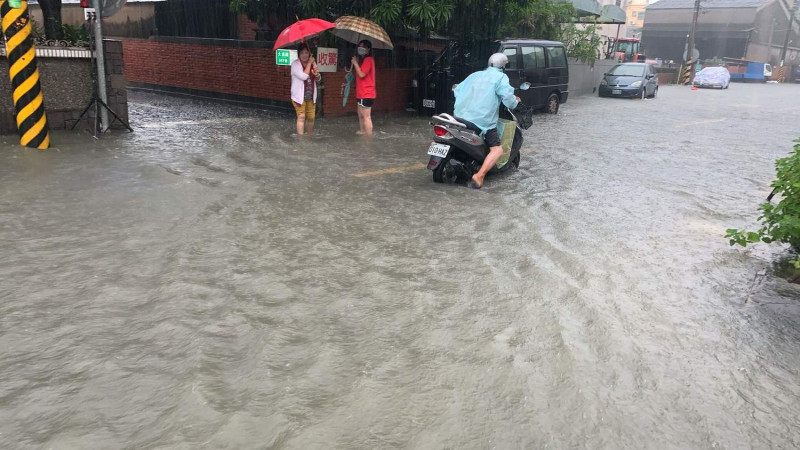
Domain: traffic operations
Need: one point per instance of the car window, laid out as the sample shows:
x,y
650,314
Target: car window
x,y
626,70
556,57
445,57
532,57
511,52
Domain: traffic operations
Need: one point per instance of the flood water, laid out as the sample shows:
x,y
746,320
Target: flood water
x,y
211,281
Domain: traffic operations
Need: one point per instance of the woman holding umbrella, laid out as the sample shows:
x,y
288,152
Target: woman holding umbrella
x,y
365,33
304,70
304,89
364,66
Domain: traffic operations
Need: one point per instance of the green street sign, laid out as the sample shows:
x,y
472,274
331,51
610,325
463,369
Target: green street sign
x,y
285,57
15,3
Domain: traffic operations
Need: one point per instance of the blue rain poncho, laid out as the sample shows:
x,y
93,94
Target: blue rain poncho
x,y
478,97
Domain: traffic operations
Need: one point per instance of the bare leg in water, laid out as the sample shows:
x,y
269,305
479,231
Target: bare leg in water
x,y
365,120
488,163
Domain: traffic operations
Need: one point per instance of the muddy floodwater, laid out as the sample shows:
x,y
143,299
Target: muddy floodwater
x,y
211,281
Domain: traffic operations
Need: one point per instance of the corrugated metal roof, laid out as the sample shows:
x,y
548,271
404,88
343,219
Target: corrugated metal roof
x,y
612,14
689,4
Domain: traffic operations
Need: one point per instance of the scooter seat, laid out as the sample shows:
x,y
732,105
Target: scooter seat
x,y
470,125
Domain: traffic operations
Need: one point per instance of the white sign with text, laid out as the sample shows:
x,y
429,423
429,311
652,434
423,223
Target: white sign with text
x,y
326,59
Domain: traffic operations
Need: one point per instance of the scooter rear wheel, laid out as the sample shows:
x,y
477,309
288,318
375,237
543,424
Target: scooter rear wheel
x,y
444,173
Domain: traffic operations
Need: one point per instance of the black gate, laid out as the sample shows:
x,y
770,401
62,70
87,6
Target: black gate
x,y
196,18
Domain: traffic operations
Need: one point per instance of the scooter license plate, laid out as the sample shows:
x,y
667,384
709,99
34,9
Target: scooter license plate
x,y
439,150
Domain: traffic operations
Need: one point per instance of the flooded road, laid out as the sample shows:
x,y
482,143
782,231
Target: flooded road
x,y
210,281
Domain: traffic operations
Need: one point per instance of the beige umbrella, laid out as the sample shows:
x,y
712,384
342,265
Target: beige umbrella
x,y
354,29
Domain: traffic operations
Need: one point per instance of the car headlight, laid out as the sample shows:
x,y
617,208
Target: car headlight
x,y
636,83
603,82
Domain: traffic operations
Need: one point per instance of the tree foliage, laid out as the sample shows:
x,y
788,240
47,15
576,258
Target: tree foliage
x,y
541,19
467,20
781,222
582,42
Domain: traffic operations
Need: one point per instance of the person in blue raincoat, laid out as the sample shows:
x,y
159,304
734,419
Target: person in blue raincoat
x,y
478,100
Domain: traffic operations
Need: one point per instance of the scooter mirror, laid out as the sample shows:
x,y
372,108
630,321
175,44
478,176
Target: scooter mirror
x,y
524,86
455,86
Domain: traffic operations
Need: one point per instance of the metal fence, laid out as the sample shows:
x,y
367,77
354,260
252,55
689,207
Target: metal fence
x,y
196,18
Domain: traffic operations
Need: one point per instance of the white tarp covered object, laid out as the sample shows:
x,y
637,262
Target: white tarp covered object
x,y
713,77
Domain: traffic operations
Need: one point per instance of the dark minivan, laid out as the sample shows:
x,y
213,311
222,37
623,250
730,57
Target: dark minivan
x,y
541,63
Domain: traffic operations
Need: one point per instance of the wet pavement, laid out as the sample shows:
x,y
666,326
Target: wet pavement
x,y
210,281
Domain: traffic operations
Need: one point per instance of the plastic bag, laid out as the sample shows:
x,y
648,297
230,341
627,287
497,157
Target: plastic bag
x,y
506,130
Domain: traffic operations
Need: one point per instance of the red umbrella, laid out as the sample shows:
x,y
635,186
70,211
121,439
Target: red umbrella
x,y
300,31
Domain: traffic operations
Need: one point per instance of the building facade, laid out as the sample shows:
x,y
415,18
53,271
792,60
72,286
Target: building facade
x,y
745,29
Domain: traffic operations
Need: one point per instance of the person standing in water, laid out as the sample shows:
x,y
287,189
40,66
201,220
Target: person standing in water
x,y
304,89
364,66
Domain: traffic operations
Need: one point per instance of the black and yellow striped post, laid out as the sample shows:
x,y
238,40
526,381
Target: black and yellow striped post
x,y
780,74
686,76
27,91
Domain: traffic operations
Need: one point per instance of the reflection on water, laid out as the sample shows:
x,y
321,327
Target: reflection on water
x,y
211,281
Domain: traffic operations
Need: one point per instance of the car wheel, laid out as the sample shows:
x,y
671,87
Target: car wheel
x,y
551,107
655,92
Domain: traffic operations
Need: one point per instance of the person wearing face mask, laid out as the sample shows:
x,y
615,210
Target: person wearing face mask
x,y
304,89
364,66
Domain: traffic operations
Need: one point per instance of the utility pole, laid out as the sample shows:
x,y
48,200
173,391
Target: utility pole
x,y
771,34
101,63
690,50
792,13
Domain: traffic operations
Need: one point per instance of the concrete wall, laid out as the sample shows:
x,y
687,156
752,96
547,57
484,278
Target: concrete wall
x,y
721,32
67,89
584,79
711,16
135,20
767,32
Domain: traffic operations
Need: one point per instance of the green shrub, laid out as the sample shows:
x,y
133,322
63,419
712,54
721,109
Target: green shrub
x,y
781,222
73,34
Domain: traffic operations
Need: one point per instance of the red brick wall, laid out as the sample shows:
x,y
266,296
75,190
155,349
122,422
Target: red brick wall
x,y
666,78
394,89
249,72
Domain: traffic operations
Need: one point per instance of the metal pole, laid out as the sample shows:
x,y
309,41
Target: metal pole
x,y
789,30
771,33
690,49
101,64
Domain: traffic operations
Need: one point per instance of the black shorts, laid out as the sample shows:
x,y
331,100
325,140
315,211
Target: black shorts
x,y
366,102
492,138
